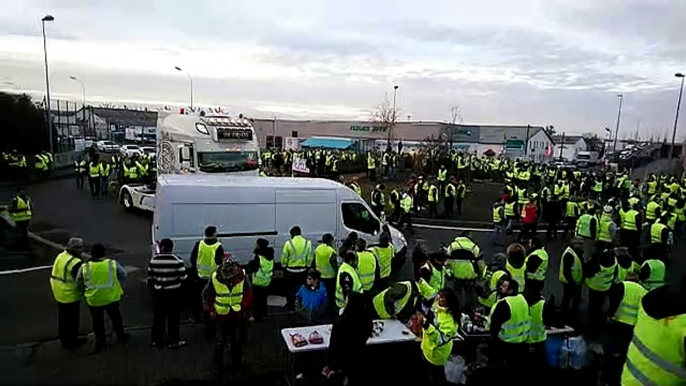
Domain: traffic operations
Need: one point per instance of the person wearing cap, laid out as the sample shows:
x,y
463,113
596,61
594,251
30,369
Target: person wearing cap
x,y
206,255
102,279
607,229
227,298
65,269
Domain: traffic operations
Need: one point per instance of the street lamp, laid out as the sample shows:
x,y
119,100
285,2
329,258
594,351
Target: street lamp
x,y
190,79
47,79
83,89
676,119
619,116
395,91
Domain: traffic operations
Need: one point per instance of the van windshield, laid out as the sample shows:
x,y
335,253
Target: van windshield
x,y
227,161
583,156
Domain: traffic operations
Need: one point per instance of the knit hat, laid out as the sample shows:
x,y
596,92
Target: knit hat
x,y
607,209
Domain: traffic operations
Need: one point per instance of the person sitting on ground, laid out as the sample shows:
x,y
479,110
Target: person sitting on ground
x,y
311,299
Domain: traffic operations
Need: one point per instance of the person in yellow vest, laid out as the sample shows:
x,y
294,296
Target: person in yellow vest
x,y
450,197
536,265
626,265
607,229
540,312
20,212
206,255
433,275
659,236
398,301
439,325
94,177
367,266
498,216
432,199
347,279
79,172
652,274
406,206
261,270
657,353
587,230
599,272
509,325
624,302
516,264
355,186
571,276
378,200
489,288
384,253
442,178
65,269
371,166
105,171
101,279
630,228
227,299
461,193
466,267
326,262
41,167
296,257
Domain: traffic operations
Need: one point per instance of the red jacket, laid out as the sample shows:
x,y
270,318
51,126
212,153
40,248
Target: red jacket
x,y
530,214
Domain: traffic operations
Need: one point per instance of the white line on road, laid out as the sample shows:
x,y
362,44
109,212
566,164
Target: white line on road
x,y
24,270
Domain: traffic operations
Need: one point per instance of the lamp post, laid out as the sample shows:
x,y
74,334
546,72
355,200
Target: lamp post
x,y
47,80
619,117
190,79
395,91
676,119
83,101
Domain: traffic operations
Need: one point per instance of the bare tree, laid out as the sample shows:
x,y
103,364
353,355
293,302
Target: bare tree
x,y
550,129
455,119
385,116
107,105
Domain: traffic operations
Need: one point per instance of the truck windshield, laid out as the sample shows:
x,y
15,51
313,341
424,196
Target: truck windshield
x,y
229,161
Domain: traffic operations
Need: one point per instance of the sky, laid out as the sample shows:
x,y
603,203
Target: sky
x,y
539,62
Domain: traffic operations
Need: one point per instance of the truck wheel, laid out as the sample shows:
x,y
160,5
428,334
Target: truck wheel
x,y
127,201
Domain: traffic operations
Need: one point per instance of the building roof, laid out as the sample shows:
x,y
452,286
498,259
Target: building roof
x,y
569,139
497,134
125,117
328,143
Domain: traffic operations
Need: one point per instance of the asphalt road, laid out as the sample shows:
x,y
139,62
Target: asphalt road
x,y
60,212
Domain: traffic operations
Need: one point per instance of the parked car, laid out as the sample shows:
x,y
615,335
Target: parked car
x,y
586,159
149,151
130,150
107,146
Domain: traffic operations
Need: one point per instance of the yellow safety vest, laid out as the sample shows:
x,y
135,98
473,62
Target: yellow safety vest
x,y
442,173
322,261
433,193
22,212
656,353
602,280
542,268
206,263
604,232
629,220
384,257
94,170
517,274
357,284
492,297
583,226
227,299
435,284
102,284
656,233
296,253
437,339
61,281
537,332
627,312
366,269
510,209
516,329
263,276
380,306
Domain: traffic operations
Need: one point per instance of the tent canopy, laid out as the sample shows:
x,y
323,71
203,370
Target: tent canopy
x,y
328,143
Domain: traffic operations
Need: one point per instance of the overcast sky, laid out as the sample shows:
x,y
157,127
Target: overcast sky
x,y
542,62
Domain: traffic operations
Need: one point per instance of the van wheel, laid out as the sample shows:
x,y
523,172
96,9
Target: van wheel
x,y
127,201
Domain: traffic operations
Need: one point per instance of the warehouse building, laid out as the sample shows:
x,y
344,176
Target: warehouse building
x,y
281,133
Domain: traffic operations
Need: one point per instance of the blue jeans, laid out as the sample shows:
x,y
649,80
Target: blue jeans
x,y
497,234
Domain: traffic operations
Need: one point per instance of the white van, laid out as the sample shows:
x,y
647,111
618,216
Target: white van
x,y
247,208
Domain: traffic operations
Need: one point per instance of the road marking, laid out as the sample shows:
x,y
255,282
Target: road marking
x,y
131,268
24,270
447,228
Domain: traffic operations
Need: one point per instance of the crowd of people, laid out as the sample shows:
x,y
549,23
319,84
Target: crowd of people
x,y
13,165
105,174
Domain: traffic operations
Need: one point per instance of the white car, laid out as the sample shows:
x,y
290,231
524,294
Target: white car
x,y
149,151
130,150
107,146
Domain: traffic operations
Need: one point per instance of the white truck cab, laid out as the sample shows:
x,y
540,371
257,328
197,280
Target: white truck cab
x,y
247,208
196,143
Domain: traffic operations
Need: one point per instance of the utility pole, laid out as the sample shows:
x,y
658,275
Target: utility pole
x,y
619,117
